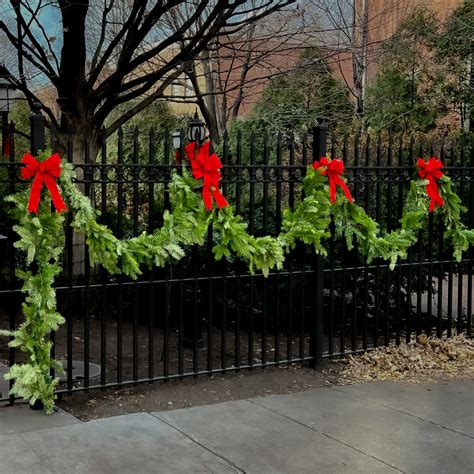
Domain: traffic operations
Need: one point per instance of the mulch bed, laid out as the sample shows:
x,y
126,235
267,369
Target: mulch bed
x,y
421,360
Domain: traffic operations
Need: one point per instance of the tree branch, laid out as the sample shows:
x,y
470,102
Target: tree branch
x,y
41,53
137,108
103,30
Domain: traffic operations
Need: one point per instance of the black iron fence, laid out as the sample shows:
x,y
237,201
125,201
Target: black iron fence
x,y
200,316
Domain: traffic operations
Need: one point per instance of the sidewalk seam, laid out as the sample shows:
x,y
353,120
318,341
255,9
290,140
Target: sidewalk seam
x,y
399,410
327,435
43,429
38,454
228,461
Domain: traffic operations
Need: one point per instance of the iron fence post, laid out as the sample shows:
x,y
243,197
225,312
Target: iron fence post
x,y
316,339
37,128
5,132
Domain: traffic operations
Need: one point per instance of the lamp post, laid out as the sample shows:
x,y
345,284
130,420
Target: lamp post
x,y
177,139
196,129
6,101
196,133
192,323
178,144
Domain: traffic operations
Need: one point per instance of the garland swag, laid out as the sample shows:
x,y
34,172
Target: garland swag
x,y
42,242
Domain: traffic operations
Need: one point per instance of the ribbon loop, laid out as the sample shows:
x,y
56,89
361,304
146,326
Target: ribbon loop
x,y
431,171
45,172
333,170
207,167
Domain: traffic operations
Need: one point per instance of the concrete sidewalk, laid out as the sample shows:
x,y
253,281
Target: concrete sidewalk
x,y
369,428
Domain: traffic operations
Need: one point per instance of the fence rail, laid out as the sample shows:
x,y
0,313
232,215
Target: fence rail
x,y
205,317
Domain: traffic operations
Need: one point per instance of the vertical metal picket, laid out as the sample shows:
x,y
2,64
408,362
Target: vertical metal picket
x,y
316,338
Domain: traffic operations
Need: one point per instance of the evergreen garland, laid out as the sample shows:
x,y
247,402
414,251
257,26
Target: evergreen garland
x,y
42,243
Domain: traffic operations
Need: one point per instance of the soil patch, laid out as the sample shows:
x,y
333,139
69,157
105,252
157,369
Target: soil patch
x,y
421,361
201,391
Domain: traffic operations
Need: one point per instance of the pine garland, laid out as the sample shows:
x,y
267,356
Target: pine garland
x,y
42,243
187,225
309,222
352,222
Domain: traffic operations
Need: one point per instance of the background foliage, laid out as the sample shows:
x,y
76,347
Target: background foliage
x,y
424,72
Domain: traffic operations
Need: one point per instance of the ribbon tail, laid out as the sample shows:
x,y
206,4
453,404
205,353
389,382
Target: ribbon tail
x,y
58,201
207,197
35,193
346,191
7,147
332,190
433,192
219,198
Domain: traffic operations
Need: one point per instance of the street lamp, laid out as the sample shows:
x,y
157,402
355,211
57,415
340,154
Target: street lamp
x,y
177,139
6,98
6,102
192,327
196,133
196,129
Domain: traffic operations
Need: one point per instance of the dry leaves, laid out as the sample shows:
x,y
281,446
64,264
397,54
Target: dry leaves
x,y
422,359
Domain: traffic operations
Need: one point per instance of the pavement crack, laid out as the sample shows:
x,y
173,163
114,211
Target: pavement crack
x,y
327,435
194,440
403,412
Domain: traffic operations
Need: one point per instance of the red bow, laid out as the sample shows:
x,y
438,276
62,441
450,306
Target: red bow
x,y
208,167
45,172
334,170
431,171
190,150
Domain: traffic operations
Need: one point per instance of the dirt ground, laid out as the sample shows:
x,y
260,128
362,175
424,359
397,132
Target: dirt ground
x,y
422,360
201,391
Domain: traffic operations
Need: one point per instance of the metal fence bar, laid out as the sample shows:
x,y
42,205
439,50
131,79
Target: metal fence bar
x,y
12,282
317,325
120,210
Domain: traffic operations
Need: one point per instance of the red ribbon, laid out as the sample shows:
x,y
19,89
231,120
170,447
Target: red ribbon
x,y
190,150
207,167
334,170
6,147
7,140
45,172
431,170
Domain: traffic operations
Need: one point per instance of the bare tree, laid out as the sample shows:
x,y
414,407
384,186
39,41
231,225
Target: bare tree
x,y
234,68
355,31
103,53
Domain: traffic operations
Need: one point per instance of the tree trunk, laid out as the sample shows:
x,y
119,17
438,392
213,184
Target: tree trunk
x,y
469,105
359,54
209,115
80,146
211,100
